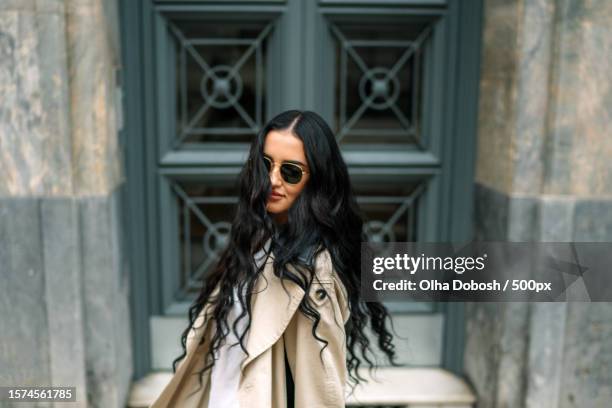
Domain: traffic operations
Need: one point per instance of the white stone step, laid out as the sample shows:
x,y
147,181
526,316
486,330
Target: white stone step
x,y
409,387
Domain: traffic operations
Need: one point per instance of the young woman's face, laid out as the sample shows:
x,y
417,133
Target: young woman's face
x,y
281,146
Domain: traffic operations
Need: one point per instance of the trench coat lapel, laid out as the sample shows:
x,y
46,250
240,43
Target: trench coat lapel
x,y
274,306
180,390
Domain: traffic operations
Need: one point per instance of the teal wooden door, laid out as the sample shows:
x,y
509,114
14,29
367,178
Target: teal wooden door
x,y
385,76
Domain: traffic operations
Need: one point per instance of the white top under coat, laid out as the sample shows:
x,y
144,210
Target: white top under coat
x,y
225,375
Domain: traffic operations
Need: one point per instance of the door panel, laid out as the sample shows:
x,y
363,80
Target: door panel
x,y
378,81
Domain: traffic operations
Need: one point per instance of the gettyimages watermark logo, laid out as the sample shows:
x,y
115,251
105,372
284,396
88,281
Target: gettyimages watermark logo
x,y
487,271
415,263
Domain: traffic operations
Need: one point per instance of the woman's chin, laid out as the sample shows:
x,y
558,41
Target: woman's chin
x,y
275,208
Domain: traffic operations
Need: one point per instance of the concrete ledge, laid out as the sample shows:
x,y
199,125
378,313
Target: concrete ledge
x,y
411,387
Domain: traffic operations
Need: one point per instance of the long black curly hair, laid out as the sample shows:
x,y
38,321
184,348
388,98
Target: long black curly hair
x,y
324,216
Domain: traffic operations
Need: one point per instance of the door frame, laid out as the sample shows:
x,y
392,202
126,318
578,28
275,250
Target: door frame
x,y
458,116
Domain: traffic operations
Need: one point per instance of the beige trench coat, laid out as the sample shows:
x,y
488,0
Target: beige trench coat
x,y
276,324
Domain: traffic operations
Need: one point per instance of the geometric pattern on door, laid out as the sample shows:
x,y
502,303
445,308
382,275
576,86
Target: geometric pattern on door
x,y
379,76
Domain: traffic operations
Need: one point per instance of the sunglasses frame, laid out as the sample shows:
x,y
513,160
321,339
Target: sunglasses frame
x,y
273,164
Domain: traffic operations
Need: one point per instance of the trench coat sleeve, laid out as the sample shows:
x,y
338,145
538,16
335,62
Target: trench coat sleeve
x,y
320,372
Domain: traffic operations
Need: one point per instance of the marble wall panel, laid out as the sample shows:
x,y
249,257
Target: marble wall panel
x,y
495,165
523,218
593,220
63,299
587,363
496,341
24,327
490,214
92,78
107,333
514,94
497,94
499,217
35,140
546,362
121,304
546,97
535,35
40,6
58,111
64,310
99,288
547,325
500,38
544,173
580,147
556,218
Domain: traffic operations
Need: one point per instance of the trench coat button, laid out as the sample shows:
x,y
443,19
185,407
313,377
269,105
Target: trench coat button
x,y
321,294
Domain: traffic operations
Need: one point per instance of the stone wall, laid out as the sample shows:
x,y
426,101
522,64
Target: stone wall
x,y
544,173
64,313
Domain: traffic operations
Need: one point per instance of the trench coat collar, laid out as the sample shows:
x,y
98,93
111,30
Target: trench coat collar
x,y
274,302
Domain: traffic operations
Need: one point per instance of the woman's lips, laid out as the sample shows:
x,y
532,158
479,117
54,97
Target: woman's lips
x,y
275,196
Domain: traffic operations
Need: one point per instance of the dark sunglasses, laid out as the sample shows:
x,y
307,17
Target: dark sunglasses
x,y
290,172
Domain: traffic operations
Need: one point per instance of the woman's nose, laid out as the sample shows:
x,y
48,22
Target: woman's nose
x,y
275,178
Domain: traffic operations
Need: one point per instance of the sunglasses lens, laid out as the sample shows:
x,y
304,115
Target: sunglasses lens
x,y
291,173
268,164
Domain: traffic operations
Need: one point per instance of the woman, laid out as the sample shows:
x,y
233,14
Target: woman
x,y
279,322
